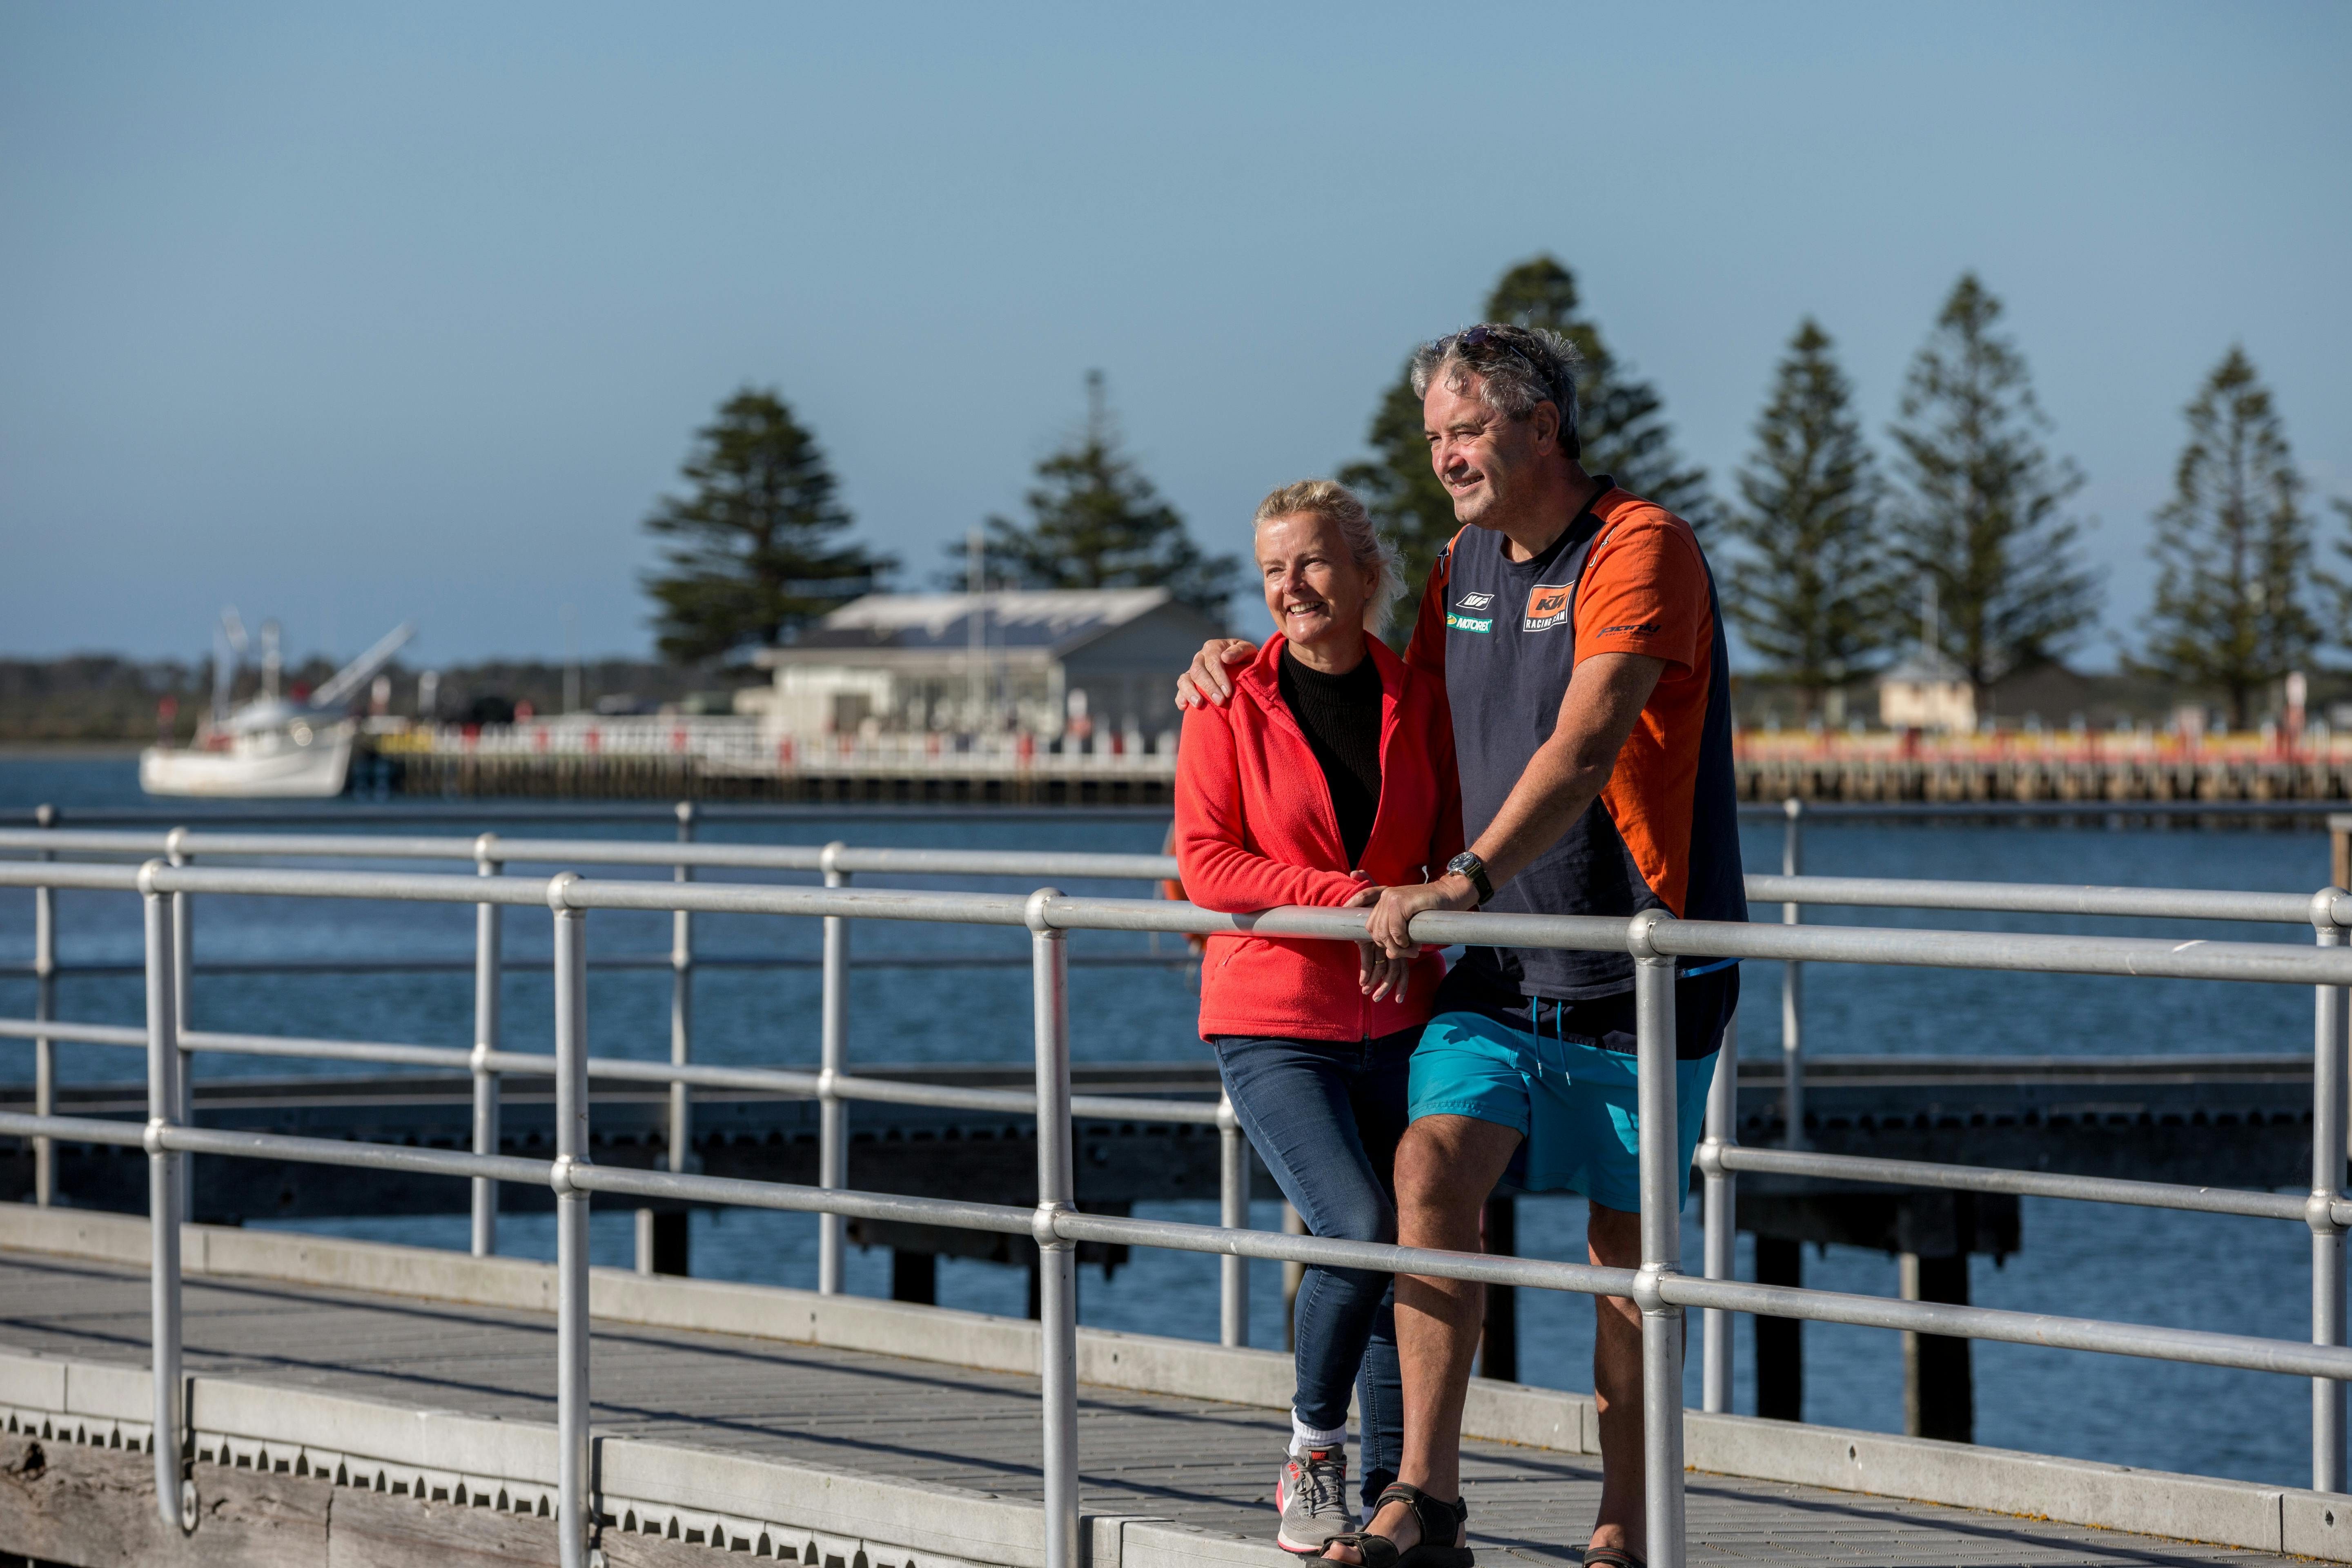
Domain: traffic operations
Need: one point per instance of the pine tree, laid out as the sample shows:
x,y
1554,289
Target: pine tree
x,y
1982,515
2341,586
751,556
1619,426
1400,490
2234,548
1096,523
1810,591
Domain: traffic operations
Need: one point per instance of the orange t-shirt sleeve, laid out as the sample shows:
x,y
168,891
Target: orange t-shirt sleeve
x,y
1645,592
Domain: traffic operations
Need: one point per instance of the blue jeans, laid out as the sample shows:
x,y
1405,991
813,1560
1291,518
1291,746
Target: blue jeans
x,y
1325,1116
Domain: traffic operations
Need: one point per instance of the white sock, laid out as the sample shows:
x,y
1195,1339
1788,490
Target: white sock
x,y
1303,1437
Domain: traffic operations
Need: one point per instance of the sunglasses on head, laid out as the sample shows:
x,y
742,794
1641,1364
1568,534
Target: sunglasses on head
x,y
1485,339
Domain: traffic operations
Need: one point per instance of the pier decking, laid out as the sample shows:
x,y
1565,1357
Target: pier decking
x,y
823,1452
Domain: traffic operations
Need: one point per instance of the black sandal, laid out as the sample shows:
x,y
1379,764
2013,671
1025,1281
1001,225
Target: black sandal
x,y
1612,1557
1437,1519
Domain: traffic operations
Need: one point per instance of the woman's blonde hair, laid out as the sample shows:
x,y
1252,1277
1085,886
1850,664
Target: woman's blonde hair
x,y
1335,502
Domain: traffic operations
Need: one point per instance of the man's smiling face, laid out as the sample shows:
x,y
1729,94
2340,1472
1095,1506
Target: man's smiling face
x,y
1485,460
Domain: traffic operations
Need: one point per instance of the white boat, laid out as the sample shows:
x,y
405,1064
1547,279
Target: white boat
x,y
295,759
271,747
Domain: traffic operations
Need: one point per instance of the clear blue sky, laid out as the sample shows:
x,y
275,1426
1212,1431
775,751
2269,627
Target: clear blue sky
x,y
346,313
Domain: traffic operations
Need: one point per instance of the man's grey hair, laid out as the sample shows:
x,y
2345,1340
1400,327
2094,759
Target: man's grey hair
x,y
1513,368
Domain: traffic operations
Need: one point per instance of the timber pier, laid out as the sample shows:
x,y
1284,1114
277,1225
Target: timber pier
x,y
737,759
900,780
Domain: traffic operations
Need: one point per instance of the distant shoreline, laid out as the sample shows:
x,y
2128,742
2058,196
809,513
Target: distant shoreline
x,y
69,750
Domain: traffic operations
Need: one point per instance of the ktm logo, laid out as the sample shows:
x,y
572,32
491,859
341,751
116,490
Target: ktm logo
x,y
1544,603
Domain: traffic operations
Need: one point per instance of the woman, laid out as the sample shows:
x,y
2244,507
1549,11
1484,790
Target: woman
x,y
1329,776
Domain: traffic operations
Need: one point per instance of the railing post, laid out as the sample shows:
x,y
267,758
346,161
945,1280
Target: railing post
x,y
1233,1213
174,1488
1057,1271
184,961
1661,1183
2327,1161
833,1111
1792,986
45,1007
489,958
1722,1219
574,1516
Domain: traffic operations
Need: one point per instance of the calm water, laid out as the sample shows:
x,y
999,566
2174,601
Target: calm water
x,y
2197,1271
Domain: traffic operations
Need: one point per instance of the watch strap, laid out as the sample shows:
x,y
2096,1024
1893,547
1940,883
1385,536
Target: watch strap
x,y
1472,868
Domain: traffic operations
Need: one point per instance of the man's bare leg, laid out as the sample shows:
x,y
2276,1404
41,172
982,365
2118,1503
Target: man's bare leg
x,y
1613,1239
1445,1167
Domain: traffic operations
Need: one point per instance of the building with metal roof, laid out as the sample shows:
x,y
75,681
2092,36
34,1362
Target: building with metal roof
x,y
1048,662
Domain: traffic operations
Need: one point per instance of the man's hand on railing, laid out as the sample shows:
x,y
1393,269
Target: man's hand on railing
x,y
1206,684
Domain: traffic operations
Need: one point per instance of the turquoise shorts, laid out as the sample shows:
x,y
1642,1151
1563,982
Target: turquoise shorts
x,y
1573,1101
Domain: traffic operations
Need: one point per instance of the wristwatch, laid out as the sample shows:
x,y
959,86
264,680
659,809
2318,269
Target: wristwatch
x,y
1468,866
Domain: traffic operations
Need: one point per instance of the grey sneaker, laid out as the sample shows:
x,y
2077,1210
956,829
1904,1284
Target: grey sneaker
x,y
1312,1492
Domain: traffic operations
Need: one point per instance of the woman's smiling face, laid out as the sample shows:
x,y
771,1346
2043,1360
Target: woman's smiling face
x,y
1314,590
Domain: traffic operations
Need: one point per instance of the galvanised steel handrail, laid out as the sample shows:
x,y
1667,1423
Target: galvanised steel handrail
x,y
1792,890
1860,893
839,861
489,854
1658,1286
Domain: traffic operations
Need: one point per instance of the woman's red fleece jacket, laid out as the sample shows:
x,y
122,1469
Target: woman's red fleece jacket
x,y
1256,830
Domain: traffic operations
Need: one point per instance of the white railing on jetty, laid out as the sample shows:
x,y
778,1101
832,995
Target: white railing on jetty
x,y
1656,942
747,748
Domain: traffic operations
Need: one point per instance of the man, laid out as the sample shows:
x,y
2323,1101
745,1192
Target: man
x,y
1583,652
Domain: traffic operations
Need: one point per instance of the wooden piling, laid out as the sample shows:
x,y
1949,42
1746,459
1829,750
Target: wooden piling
x,y
1938,1388
1498,1345
1779,1342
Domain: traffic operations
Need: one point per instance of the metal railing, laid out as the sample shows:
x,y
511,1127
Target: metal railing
x,y
837,862
832,1084
1793,889
1657,1286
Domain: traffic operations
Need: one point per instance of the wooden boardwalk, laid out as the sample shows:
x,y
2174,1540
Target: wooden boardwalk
x,y
1199,1462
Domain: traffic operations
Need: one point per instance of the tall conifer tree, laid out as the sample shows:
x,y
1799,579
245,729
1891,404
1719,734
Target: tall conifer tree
x,y
1621,427
2341,586
1982,513
1810,591
753,549
1400,489
1621,424
1096,521
2234,548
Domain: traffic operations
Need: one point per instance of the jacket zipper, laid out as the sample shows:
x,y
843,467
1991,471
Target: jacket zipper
x,y
1392,707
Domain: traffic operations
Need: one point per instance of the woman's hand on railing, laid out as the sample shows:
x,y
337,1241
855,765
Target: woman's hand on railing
x,y
1390,921
1377,975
